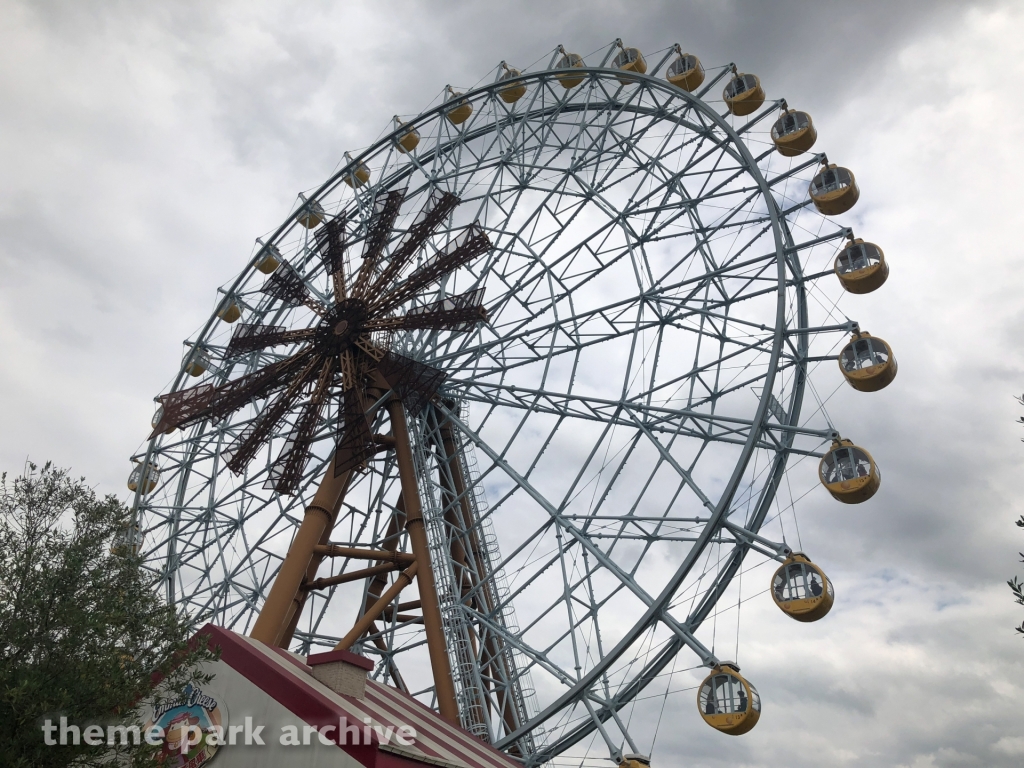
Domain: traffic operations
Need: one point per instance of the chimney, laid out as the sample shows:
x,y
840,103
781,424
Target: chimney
x,y
343,672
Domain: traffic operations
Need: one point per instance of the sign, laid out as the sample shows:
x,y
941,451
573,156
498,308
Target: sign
x,y
192,727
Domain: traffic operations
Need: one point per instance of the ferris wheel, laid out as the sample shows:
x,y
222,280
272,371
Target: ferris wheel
x,y
506,403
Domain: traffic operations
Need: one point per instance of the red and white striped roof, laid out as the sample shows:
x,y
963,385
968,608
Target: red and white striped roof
x,y
286,678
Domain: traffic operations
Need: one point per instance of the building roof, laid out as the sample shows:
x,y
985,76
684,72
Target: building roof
x,y
289,680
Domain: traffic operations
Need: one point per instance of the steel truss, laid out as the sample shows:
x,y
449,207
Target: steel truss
x,y
605,449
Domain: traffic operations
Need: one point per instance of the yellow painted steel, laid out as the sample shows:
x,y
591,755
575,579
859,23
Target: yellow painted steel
x,y
743,94
849,473
685,72
727,701
867,363
834,190
516,89
801,589
569,61
312,214
147,478
630,60
794,133
269,260
460,110
407,141
229,311
861,267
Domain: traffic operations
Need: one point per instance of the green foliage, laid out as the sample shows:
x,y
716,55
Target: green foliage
x,y
1016,585
84,634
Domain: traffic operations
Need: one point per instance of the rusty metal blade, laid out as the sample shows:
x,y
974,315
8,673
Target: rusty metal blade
x,y
414,382
250,337
454,313
206,401
470,243
386,209
436,209
287,286
259,430
254,386
330,244
286,472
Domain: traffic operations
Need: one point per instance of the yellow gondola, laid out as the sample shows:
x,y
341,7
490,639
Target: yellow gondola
x,y
685,72
794,133
567,62
127,541
460,110
197,362
743,94
229,311
801,589
408,140
861,267
269,259
144,475
515,89
834,190
358,176
629,60
727,702
157,415
635,761
868,363
849,473
312,214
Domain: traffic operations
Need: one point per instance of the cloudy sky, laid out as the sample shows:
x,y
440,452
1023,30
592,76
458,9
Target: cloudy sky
x,y
143,147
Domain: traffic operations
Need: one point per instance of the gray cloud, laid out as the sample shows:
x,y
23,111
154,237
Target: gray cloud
x,y
145,147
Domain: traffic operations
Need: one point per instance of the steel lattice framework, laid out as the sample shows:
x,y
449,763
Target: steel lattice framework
x,y
600,425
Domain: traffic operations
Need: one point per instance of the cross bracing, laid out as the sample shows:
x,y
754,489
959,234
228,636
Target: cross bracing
x,y
628,408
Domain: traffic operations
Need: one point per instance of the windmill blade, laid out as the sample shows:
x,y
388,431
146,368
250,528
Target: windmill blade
x,y
356,443
183,407
286,285
414,382
434,211
470,243
330,244
385,212
454,313
207,401
286,472
244,447
250,337
259,384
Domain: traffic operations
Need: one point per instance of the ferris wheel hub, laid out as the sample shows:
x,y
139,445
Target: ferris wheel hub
x,y
342,324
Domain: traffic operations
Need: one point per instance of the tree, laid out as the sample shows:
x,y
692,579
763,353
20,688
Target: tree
x,y
83,634
1016,585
